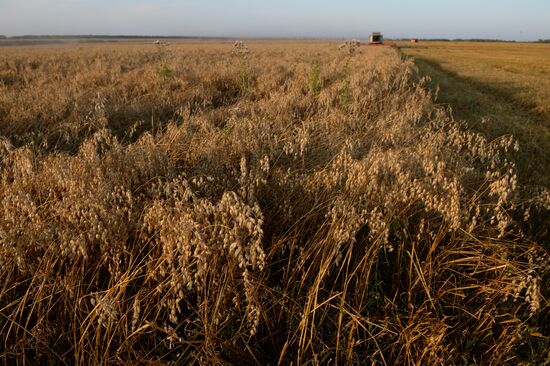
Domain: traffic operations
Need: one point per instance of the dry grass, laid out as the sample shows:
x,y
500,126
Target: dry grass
x,y
204,205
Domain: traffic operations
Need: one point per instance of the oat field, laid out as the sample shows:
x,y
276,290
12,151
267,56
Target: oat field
x,y
259,203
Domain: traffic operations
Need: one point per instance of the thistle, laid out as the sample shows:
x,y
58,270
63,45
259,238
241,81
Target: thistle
x,y
241,51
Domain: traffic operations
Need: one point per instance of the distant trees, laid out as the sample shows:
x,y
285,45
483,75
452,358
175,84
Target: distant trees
x,y
543,41
2,36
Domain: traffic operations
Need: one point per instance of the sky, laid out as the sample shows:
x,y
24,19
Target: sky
x,y
497,19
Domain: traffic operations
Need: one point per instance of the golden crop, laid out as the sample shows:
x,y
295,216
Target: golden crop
x,y
203,203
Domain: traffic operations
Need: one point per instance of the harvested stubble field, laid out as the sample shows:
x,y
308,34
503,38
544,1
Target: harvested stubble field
x,y
499,88
276,203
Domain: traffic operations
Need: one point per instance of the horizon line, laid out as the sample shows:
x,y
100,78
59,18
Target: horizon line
x,y
137,36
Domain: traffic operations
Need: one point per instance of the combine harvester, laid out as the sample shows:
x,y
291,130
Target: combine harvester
x,y
376,39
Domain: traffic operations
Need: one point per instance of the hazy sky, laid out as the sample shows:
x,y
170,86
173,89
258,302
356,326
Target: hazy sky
x,y
503,19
